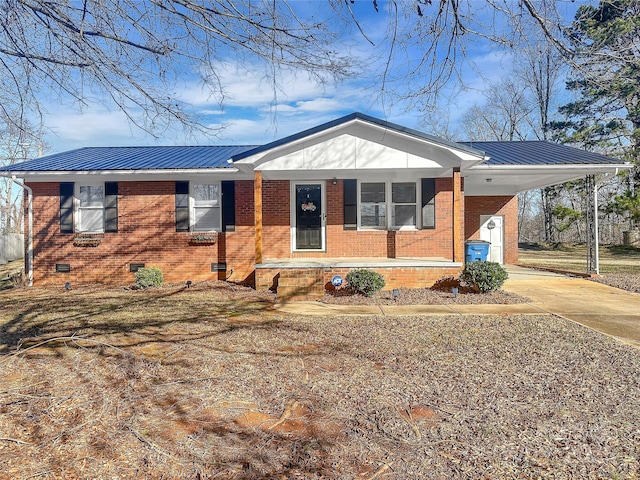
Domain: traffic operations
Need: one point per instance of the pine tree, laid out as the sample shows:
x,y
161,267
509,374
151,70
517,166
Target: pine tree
x,y
606,83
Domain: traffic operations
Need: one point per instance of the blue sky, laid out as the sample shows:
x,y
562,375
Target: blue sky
x,y
249,115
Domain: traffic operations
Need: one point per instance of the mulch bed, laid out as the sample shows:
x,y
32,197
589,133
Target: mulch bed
x,y
440,293
625,281
423,296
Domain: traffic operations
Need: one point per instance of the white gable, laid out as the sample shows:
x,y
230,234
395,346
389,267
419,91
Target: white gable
x,y
361,146
347,152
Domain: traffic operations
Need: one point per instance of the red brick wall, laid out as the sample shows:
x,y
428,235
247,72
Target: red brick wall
x,y
240,245
342,243
506,206
276,219
146,234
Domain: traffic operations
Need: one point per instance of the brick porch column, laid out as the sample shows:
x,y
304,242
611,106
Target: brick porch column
x,y
257,202
458,215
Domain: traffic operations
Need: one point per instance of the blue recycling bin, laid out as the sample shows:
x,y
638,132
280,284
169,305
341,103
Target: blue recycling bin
x,y
476,250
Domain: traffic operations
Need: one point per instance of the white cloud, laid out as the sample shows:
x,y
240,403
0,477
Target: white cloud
x,y
253,110
243,87
92,127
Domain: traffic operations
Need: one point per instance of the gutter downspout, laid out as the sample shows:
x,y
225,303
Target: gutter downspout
x,y
29,263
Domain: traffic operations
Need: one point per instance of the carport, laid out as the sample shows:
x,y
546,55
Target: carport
x,y
515,167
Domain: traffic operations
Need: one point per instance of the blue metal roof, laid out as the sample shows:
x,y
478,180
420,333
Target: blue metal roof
x,y
131,158
528,153
539,152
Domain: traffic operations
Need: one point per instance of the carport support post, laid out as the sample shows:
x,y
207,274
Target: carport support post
x,y
257,202
593,254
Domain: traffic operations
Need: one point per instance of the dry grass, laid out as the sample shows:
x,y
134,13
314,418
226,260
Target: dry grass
x,y
613,258
12,273
619,265
209,383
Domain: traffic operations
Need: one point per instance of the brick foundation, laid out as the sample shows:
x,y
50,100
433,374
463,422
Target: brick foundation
x,y
311,283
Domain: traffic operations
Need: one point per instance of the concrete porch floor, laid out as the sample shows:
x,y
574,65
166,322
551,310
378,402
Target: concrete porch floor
x,y
356,262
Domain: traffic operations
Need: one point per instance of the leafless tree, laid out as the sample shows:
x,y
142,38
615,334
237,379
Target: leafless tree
x,y
19,141
504,115
519,108
136,52
540,68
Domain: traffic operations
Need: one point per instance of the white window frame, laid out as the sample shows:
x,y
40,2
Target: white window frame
x,y
361,204
79,209
194,204
389,206
393,204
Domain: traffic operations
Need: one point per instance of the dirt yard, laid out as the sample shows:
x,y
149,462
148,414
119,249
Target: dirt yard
x,y
211,383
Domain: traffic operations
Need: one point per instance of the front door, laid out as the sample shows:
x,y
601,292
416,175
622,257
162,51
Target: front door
x,y
308,216
491,230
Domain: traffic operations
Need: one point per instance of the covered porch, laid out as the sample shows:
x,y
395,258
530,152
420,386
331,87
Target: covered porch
x,y
358,193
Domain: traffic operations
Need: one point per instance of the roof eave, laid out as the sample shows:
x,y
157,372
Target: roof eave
x,y
549,168
171,171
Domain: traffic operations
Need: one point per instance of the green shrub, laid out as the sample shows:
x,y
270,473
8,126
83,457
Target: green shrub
x,y
366,282
484,276
149,277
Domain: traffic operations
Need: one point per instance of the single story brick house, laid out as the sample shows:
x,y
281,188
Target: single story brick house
x,y
291,214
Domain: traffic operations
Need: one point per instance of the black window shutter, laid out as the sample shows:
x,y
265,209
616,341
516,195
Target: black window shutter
x,y
428,203
110,206
350,204
182,206
66,207
228,206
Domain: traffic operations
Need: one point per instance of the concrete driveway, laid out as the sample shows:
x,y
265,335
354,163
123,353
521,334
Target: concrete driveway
x,y
605,309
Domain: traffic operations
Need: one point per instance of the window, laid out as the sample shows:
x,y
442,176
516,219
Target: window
x,y
403,205
373,208
388,205
206,207
90,207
